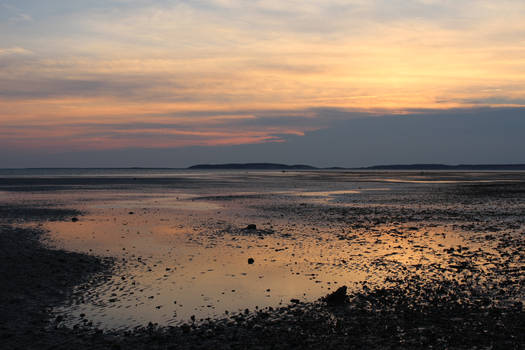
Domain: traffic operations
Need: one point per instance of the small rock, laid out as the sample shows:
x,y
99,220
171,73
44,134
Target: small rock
x,y
74,219
338,297
251,227
251,261
185,328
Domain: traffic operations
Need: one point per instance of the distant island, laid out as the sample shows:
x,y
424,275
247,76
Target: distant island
x,y
276,166
252,166
447,167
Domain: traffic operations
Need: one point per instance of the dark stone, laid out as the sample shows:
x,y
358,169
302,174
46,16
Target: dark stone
x,y
251,227
295,301
185,328
251,261
74,219
338,297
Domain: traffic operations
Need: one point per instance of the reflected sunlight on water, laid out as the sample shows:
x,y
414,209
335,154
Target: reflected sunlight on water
x,y
182,248
178,258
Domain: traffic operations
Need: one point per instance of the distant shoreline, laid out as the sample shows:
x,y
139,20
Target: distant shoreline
x,y
275,166
278,166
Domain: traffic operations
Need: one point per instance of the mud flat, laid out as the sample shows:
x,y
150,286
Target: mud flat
x,y
442,256
34,278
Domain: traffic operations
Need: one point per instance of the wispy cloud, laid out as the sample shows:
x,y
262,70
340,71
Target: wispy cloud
x,y
14,51
14,14
246,71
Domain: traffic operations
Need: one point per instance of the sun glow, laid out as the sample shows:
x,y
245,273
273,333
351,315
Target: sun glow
x,y
219,65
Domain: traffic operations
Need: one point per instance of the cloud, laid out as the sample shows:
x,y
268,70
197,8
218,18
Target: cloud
x,y
177,129
21,17
495,101
125,87
254,70
481,135
12,51
14,14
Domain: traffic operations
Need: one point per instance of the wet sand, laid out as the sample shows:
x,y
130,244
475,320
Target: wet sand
x,y
428,259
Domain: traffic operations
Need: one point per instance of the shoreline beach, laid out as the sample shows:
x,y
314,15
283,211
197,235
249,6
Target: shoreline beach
x,y
426,291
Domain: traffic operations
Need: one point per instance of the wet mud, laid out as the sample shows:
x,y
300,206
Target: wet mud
x,y
401,264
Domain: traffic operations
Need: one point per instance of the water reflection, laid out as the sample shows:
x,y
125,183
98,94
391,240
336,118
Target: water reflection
x,y
178,258
181,248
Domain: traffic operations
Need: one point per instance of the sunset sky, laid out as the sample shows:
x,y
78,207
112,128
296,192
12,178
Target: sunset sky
x,y
117,82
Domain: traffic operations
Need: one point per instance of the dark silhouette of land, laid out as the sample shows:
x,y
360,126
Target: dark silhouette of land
x,y
447,167
254,166
276,166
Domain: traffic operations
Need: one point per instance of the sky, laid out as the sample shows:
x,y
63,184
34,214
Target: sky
x,y
325,82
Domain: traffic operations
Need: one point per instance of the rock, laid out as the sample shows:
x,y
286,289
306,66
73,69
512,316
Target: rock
x,y
338,297
185,328
251,261
74,219
131,213
295,301
251,227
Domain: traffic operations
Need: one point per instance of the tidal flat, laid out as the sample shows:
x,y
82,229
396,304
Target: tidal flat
x,y
246,259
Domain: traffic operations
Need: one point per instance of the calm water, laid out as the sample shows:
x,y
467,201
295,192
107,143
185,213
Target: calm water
x,y
182,250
